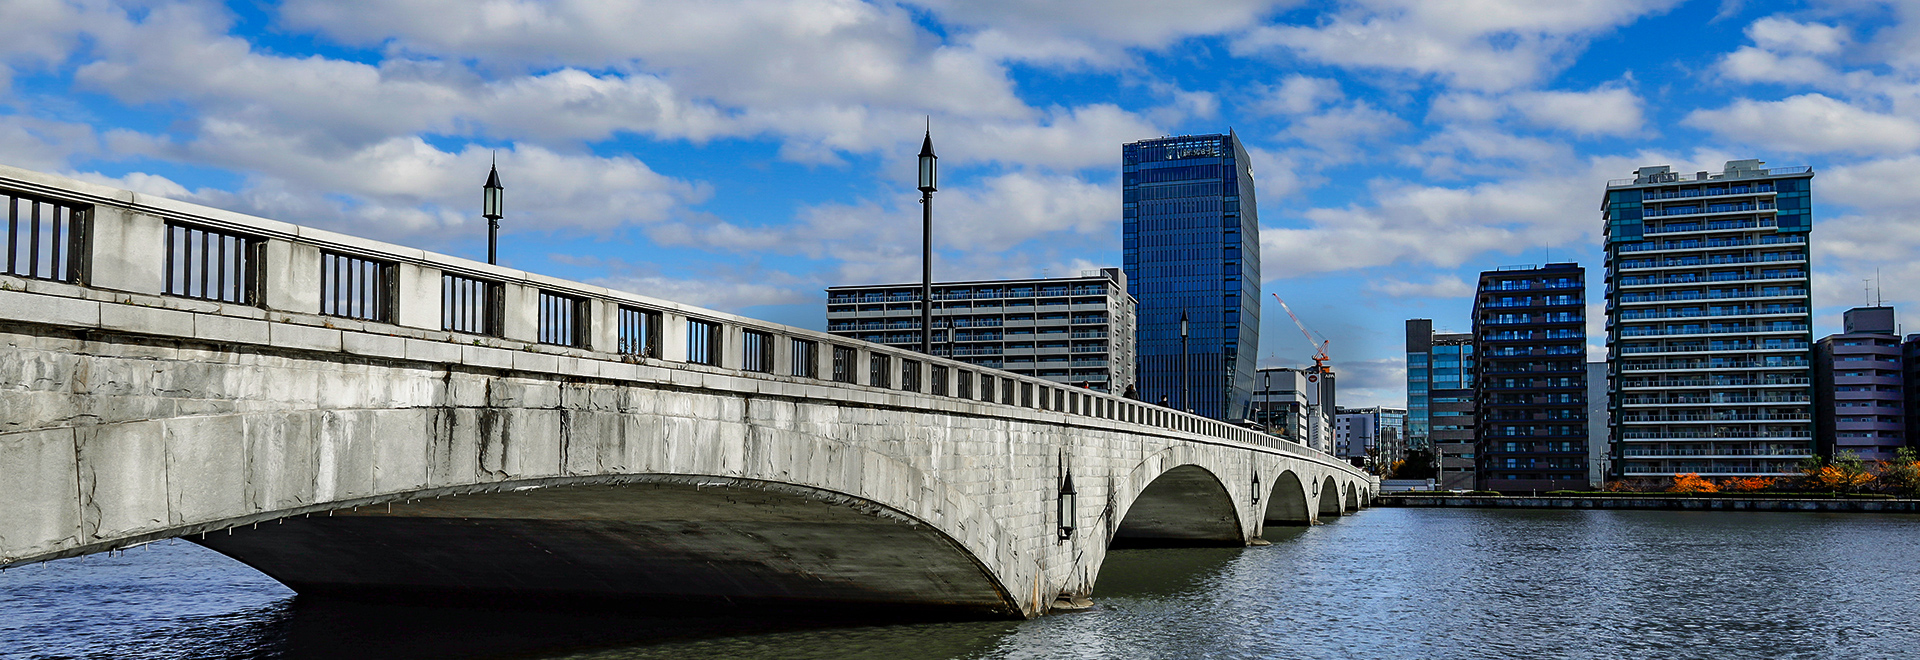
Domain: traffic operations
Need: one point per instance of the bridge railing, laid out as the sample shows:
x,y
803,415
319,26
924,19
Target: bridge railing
x,y
66,233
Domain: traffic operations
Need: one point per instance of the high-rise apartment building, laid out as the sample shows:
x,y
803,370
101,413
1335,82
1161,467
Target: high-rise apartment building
x,y
1435,361
1191,245
1859,387
1709,320
1910,360
1072,330
1530,330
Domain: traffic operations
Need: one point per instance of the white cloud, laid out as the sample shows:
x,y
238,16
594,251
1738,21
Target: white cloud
x,y
1478,44
1444,286
1091,32
832,52
40,144
713,291
1459,152
1408,223
1601,111
1809,123
1299,95
1787,36
1337,129
973,228
1750,64
1786,51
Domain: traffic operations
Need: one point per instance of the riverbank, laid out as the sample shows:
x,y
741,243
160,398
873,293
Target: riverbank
x,y
1649,501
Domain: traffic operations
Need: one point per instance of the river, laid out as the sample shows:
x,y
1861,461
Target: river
x,y
1384,583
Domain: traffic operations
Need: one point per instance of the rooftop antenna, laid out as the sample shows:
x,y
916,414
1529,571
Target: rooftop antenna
x,y
1878,299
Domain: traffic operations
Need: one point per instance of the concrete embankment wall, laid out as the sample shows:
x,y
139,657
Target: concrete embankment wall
x,y
1653,503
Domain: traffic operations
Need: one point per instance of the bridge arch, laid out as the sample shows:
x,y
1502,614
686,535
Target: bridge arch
x,y
1352,498
1330,506
1287,502
787,512
1173,499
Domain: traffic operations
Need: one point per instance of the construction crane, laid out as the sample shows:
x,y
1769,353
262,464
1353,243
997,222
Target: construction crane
x,y
1320,348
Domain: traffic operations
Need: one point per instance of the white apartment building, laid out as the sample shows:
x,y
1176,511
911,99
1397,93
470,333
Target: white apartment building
x,y
1071,330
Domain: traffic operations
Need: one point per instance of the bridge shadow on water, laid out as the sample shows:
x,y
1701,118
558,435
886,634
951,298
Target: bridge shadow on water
x,y
184,601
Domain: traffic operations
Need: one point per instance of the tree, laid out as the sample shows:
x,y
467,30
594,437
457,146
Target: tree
x,y
1900,476
1691,482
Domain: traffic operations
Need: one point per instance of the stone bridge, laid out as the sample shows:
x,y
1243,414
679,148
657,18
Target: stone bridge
x,y
358,418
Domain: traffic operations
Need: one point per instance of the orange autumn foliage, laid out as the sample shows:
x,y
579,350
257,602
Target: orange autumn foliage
x,y
1835,478
1692,483
1746,484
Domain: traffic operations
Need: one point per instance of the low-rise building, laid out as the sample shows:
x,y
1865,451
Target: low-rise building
x,y
1599,436
1072,330
1367,436
1859,387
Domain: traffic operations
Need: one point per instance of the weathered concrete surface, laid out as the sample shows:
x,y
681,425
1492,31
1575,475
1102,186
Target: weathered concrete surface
x,y
116,438
128,415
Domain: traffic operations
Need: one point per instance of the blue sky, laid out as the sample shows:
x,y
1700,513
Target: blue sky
x,y
746,154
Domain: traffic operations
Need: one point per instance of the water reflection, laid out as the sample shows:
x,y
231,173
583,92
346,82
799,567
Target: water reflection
x,y
1386,583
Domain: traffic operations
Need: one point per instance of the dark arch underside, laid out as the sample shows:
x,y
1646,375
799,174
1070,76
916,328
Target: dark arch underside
x,y
1185,506
687,540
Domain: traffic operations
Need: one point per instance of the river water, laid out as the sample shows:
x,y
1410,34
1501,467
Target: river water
x,y
1384,583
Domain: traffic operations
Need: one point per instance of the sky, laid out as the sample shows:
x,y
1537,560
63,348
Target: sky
x,y
745,154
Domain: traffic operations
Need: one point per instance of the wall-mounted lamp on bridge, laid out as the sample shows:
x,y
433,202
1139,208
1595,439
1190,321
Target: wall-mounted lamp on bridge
x,y
1068,505
1256,488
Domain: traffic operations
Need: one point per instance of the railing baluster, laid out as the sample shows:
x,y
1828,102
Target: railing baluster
x,y
33,243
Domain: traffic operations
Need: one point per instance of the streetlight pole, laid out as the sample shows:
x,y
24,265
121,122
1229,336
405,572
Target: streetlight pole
x,y
929,175
490,195
1185,405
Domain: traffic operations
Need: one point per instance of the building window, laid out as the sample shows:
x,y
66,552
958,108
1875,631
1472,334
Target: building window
x,y
470,305
210,265
639,332
356,288
703,342
756,351
562,320
806,358
47,240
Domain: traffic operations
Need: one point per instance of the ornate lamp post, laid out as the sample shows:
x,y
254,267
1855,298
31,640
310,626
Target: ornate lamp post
x,y
1185,405
490,209
929,182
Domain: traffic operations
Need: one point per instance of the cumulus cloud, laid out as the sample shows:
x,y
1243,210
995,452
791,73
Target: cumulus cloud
x,y
1298,95
879,241
1601,111
1810,123
1337,129
1444,286
1610,109
1477,44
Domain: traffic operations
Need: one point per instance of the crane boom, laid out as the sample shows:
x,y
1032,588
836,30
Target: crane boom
x,y
1320,348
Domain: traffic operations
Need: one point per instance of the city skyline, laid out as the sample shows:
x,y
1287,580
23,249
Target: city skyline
x,y
693,172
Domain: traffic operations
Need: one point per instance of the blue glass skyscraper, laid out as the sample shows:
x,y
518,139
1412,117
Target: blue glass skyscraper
x,y
1191,240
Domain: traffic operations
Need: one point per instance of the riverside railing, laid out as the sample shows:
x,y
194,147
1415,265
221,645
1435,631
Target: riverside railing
x,y
180,256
